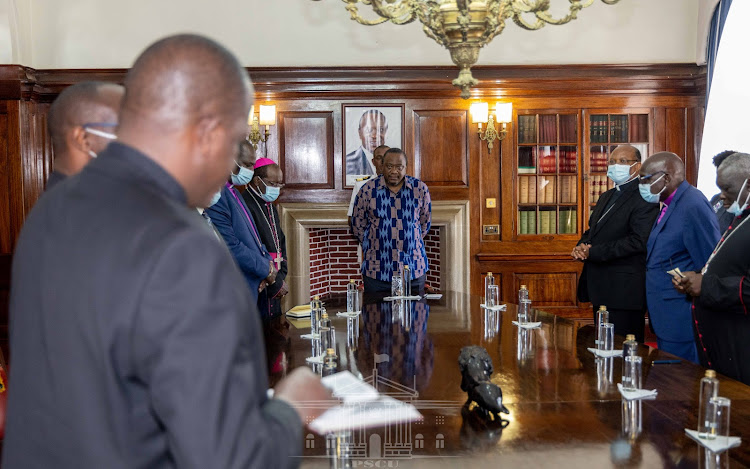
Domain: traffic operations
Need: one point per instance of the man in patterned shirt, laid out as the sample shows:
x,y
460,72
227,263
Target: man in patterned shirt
x,y
392,214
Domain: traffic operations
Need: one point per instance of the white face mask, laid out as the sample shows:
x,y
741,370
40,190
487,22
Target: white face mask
x,y
243,176
735,208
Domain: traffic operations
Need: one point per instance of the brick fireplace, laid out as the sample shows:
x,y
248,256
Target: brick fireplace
x,y
324,255
335,259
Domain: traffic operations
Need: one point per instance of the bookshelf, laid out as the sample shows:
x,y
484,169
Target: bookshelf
x,y
548,173
605,132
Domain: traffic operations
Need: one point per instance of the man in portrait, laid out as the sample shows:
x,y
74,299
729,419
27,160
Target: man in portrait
x,y
372,129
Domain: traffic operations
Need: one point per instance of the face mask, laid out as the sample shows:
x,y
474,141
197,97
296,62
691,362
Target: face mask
x,y
99,133
735,208
619,173
271,194
645,190
215,198
243,177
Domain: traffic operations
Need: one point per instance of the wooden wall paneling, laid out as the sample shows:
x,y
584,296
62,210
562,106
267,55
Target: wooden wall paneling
x,y
676,138
548,289
488,176
441,147
16,170
660,130
306,149
694,133
6,243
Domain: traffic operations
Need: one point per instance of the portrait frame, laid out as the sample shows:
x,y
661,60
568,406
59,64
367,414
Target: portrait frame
x,y
351,142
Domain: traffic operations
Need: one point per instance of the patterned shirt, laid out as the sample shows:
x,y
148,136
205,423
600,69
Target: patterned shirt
x,y
391,227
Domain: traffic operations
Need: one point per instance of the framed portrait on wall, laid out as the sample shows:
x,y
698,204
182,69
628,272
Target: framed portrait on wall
x,y
366,128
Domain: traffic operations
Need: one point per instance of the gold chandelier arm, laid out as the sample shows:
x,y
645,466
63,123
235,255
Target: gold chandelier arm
x,y
403,12
540,9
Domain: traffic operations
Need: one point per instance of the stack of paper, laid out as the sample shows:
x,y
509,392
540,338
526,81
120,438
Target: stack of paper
x,y
301,311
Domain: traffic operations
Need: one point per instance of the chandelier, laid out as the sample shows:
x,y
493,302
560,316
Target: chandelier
x,y
465,26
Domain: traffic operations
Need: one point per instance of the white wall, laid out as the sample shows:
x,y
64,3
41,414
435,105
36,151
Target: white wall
x,y
111,33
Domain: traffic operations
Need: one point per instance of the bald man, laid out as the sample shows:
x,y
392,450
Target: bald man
x,y
683,237
135,341
613,249
721,291
81,123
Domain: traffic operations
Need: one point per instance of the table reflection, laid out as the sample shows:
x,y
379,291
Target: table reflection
x,y
563,401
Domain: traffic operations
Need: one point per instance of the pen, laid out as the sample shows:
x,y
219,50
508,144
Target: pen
x,y
666,362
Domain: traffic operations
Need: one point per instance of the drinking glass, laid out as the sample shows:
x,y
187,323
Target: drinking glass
x,y
397,285
718,415
523,311
606,336
493,293
632,378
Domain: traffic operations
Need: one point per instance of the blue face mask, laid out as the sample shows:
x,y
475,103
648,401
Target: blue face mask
x,y
271,194
244,176
619,173
215,198
645,190
735,208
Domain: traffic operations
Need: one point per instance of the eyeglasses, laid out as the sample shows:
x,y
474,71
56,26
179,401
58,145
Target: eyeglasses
x,y
273,184
644,179
397,167
622,161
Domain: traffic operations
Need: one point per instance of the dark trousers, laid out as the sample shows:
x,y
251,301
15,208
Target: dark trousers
x,y
627,321
378,286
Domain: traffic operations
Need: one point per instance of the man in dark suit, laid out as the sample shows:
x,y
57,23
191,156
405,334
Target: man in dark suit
x,y
135,342
613,249
683,237
232,218
81,123
721,290
372,129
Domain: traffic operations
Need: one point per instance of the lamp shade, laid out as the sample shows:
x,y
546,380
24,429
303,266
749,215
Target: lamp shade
x,y
504,112
479,113
267,115
251,115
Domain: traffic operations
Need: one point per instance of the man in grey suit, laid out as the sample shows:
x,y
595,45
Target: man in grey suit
x,y
134,339
372,129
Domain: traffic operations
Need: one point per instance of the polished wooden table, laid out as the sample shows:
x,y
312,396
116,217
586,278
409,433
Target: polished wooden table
x,y
565,409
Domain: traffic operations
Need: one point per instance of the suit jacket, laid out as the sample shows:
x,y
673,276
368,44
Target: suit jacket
x,y
684,238
232,218
357,163
615,272
130,334
268,305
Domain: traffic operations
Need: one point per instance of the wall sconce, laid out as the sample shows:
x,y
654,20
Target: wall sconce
x,y
267,117
480,115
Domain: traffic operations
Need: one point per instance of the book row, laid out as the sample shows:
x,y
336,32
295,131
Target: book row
x,y
549,221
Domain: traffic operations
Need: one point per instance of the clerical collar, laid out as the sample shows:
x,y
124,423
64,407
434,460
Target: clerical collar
x,y
625,184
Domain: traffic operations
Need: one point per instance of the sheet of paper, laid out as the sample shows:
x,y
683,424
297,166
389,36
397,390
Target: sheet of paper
x,y
344,385
433,296
717,445
381,412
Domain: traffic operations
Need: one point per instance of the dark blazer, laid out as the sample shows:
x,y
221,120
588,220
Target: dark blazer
x,y
615,272
684,238
267,304
356,163
721,315
134,340
230,217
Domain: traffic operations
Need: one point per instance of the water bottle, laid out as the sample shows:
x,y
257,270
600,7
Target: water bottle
x,y
315,307
629,349
709,388
330,365
602,317
407,281
488,280
352,297
524,305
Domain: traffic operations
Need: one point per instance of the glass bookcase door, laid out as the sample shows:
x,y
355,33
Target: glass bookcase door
x,y
606,132
548,171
